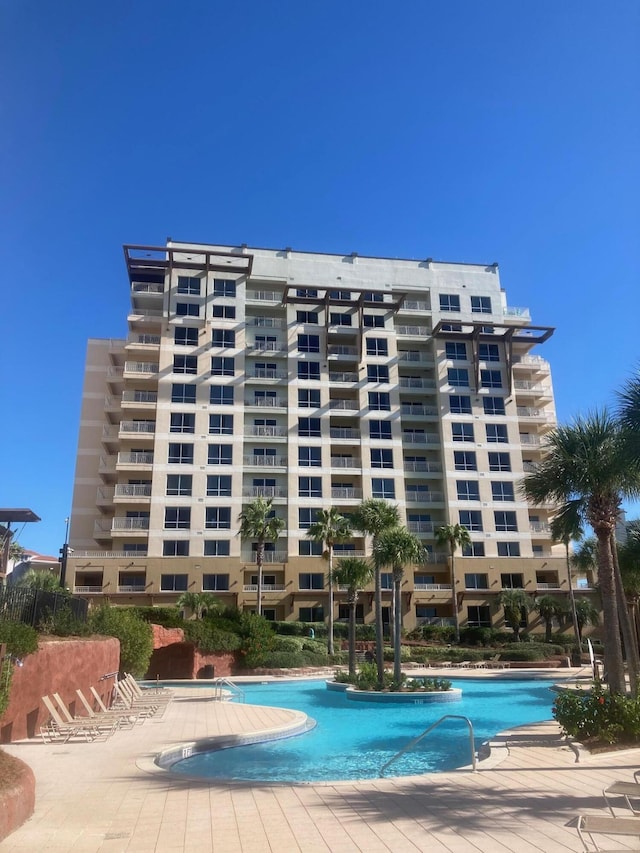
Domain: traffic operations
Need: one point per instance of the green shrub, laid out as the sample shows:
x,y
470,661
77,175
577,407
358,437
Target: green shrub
x,y
288,644
530,651
365,632
135,635
435,633
257,640
63,623
21,639
427,685
208,637
598,716
168,617
284,660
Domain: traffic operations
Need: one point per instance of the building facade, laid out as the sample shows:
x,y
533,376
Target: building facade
x,y
316,380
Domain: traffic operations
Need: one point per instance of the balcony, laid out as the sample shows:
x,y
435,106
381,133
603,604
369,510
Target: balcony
x,y
439,621
415,305
416,382
339,351
88,590
413,331
524,386
147,287
344,405
269,557
343,377
545,587
143,342
133,588
264,296
420,527
338,554
271,347
423,467
266,431
424,497
530,362
264,492
124,490
540,527
263,373
338,433
107,465
418,410
135,458
265,461
345,462
268,402
140,368
146,316
531,414
129,524
432,587
266,322
143,428
266,587
530,440
414,357
104,496
420,438
513,313
339,493
139,398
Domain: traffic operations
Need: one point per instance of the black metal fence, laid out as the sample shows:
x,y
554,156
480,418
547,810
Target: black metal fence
x,y
35,606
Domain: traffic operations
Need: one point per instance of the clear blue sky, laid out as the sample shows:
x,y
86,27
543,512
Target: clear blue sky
x,y
454,129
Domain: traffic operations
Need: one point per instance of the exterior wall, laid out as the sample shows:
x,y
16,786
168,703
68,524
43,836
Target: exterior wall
x,y
418,355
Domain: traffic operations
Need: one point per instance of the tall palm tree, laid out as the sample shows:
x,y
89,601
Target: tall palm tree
x,y
587,463
258,523
454,536
514,602
587,614
371,518
329,528
551,607
566,529
355,574
397,547
41,579
629,559
198,602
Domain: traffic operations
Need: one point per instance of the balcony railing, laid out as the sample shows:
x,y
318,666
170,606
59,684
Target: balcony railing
x,y
345,462
267,402
528,467
344,405
415,305
269,557
124,490
140,367
264,492
423,497
418,409
337,553
133,458
520,313
413,331
266,431
143,339
532,361
266,461
263,296
266,587
267,346
420,438
427,587
146,287
414,357
539,527
529,412
534,387
88,590
266,322
343,377
130,524
531,440
441,621
416,382
420,526
131,588
340,350
144,397
262,373
142,314
339,432
543,586
138,426
345,494
423,467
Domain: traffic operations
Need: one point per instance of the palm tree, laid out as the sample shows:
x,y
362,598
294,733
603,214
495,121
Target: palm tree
x,y
455,536
198,602
587,464
567,528
629,559
396,547
355,574
329,528
515,603
587,614
372,517
42,580
550,607
257,522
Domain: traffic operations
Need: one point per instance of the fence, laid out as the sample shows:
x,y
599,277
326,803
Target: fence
x,y
33,606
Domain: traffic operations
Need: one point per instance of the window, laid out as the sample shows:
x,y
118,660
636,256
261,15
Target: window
x,y
179,484
386,580
308,343
468,490
311,614
177,518
456,351
337,319
462,432
310,580
180,453
310,487
460,404
265,370
505,521
489,352
219,454
223,338
481,305
224,287
133,549
379,401
381,457
215,583
377,346
465,460
306,293
306,517
189,284
309,427
222,365
308,398
340,294
309,548
476,581
174,583
471,519
228,312
508,549
221,395
497,434
502,491
182,422
487,330
217,548
380,429
377,373
220,424
259,396
309,457
458,377
451,327
449,302
499,462
493,405
185,364
479,616
175,548
382,488
490,379
372,296
187,309
475,549
510,580
373,321
307,317
218,486
218,518
181,393
309,370
417,491
266,343
185,336
426,611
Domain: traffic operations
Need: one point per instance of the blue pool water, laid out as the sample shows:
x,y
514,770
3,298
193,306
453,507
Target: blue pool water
x,y
352,740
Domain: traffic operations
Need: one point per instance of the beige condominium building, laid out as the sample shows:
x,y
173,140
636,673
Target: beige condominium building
x,y
317,380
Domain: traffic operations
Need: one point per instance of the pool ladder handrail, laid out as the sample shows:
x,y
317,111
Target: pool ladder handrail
x,y
416,740
226,682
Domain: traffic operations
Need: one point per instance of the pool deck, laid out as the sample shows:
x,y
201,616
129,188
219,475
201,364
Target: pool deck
x,y
108,796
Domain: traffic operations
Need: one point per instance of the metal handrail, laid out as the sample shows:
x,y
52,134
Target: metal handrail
x,y
218,684
416,740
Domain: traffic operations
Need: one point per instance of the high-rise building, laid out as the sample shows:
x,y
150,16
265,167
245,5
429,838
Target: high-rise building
x,y
316,380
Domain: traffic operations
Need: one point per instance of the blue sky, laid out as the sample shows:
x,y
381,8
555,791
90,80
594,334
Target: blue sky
x,y
454,129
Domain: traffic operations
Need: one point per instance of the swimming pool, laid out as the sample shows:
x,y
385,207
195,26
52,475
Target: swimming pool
x,y
352,740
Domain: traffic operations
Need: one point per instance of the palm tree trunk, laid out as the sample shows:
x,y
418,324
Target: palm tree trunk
x,y
614,666
353,602
392,615
454,596
630,645
397,630
572,599
259,561
330,615
379,638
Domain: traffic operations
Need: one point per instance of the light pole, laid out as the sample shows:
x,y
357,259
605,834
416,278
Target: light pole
x,y
64,553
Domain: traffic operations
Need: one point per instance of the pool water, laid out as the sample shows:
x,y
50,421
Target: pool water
x,y
352,740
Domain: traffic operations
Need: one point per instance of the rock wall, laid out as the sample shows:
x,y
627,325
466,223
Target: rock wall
x,y
18,799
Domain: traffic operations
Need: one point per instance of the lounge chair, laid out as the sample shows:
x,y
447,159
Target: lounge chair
x,y
56,729
629,791
125,698
157,690
478,664
463,664
126,719
496,663
591,825
102,726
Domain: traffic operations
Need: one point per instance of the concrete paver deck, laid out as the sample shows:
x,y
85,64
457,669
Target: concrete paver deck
x,y
101,798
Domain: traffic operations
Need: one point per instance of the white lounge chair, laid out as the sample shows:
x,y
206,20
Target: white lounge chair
x,y
126,719
628,827
102,726
58,730
629,791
